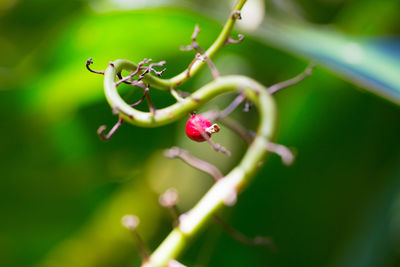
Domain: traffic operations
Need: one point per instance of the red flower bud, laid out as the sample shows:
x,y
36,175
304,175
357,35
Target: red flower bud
x,y
199,128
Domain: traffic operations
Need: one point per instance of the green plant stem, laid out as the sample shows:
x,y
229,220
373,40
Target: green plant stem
x,y
250,88
166,84
223,191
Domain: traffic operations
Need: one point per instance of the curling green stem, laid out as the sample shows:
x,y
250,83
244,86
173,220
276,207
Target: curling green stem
x,y
225,189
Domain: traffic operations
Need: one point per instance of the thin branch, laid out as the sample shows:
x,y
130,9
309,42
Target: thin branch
x,y
169,200
215,146
235,126
150,68
175,94
279,86
176,152
194,45
242,238
131,222
123,80
139,84
146,91
222,116
200,54
232,106
130,76
282,151
190,66
238,129
203,57
217,115
135,72
102,128
230,40
140,67
195,32
149,102
88,63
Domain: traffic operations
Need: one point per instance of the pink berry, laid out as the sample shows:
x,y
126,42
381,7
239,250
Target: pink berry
x,y
199,128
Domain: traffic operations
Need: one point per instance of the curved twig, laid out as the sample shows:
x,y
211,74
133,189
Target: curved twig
x,y
226,188
279,86
102,128
88,63
176,152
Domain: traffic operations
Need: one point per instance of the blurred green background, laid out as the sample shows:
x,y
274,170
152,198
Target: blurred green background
x,y
63,191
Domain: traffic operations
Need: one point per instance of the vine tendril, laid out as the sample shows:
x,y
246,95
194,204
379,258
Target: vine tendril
x,y
225,190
